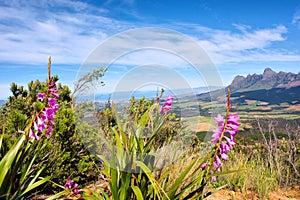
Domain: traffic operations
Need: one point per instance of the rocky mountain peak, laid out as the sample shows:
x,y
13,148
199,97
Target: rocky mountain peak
x,y
269,79
268,74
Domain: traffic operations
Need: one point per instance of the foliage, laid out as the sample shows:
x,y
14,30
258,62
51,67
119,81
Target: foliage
x,y
267,162
253,174
63,150
134,112
19,171
134,172
67,156
131,141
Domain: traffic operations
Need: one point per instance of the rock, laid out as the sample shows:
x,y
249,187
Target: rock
x,y
269,79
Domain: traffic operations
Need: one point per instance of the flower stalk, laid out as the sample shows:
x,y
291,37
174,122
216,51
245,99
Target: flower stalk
x,y
223,138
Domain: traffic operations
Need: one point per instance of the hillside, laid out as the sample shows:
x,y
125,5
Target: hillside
x,y
271,87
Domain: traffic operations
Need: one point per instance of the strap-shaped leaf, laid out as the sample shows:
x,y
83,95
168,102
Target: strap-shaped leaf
x,y
179,180
8,159
137,192
157,189
36,184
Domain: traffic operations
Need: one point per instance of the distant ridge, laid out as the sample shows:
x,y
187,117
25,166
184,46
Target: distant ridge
x,y
268,80
270,86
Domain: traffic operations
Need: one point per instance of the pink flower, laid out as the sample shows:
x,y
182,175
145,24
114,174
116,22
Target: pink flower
x,y
76,191
52,102
214,179
230,142
33,135
224,156
52,84
224,147
218,161
219,120
41,96
167,105
204,165
219,138
216,136
70,184
45,120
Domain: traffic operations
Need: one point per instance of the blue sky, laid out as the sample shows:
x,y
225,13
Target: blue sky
x,y
240,37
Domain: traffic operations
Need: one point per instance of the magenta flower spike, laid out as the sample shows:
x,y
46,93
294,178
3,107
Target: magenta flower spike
x,y
219,120
33,135
41,96
70,184
224,156
204,165
45,119
167,105
223,138
216,136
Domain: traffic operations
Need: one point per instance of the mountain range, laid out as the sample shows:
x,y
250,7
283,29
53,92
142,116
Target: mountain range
x,y
268,80
272,87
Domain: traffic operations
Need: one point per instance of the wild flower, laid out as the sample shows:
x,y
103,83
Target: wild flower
x,y
18,170
45,119
167,105
70,184
223,138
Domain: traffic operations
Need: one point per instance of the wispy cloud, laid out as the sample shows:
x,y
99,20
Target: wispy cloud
x,y
296,18
67,30
245,44
219,40
30,31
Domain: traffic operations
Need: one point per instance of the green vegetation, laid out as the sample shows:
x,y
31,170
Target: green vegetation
x,y
145,151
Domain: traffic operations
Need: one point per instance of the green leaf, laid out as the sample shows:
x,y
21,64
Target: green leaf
x,y
144,119
153,135
189,186
137,192
36,176
56,196
156,187
126,177
27,169
224,173
179,180
8,159
94,195
36,184
1,139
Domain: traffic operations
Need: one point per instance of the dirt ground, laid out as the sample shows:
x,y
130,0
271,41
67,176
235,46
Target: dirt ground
x,y
292,193
281,194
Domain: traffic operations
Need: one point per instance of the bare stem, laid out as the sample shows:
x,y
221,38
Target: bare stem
x,y
49,69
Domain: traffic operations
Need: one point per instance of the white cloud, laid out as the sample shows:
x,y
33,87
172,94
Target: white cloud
x,y
30,34
247,45
31,31
296,18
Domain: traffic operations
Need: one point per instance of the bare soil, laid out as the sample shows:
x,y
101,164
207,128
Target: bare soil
x,y
292,193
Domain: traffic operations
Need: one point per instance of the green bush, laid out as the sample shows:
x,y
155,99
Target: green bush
x,y
254,174
133,167
134,112
64,153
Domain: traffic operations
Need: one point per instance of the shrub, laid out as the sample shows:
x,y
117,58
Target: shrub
x,y
133,172
63,150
